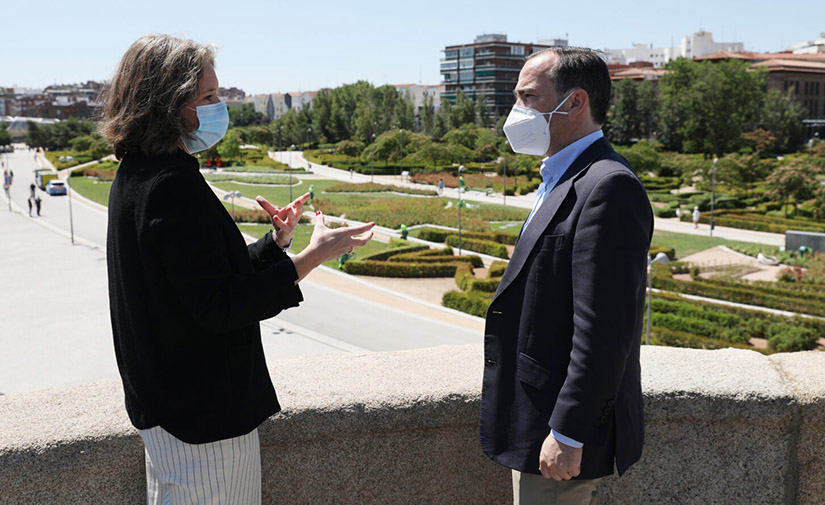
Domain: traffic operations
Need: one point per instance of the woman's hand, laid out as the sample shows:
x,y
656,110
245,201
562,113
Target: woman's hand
x,y
328,244
284,219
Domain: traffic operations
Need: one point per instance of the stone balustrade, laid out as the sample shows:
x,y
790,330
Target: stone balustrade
x,y
726,427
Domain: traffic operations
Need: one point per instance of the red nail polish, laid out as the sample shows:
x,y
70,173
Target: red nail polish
x,y
317,212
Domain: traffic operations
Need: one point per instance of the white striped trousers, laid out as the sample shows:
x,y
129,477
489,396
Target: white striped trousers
x,y
223,472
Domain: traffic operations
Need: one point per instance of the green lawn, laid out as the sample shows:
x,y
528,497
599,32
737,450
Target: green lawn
x,y
686,244
301,239
279,195
91,188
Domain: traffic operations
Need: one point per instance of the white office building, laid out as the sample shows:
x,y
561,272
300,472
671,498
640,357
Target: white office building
x,y
699,44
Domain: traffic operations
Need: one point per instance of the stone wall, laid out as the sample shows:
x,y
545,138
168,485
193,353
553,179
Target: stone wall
x,y
725,427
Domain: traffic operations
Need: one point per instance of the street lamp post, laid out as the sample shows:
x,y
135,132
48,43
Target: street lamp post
x,y
660,258
309,130
504,157
231,196
71,219
713,195
372,153
401,148
460,169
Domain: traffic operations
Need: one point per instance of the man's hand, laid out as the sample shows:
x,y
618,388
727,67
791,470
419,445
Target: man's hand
x,y
284,219
558,461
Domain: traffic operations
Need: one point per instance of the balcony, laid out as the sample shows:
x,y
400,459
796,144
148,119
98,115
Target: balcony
x,y
727,426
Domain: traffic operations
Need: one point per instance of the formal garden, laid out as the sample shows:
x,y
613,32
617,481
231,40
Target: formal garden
x,y
706,136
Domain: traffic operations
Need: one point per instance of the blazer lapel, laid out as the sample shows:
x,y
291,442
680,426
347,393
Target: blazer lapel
x,y
531,234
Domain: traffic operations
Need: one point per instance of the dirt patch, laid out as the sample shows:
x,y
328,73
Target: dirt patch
x,y
721,259
683,277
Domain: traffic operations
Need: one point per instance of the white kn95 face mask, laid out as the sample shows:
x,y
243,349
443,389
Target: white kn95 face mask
x,y
527,130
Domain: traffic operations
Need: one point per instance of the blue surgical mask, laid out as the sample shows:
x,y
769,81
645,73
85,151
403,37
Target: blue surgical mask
x,y
214,120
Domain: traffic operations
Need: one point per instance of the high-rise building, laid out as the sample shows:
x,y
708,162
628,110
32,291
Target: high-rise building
x,y
486,70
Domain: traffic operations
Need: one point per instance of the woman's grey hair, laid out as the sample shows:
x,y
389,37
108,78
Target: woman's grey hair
x,y
143,104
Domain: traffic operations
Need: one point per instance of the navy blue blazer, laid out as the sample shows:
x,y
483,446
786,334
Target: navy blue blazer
x,y
563,330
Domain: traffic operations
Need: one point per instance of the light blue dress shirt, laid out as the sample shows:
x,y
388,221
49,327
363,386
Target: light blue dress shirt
x,y
554,167
552,170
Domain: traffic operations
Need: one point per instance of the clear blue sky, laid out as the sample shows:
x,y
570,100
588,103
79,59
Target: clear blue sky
x,y
275,46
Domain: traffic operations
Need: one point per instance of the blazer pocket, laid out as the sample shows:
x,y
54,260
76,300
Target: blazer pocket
x,y
533,373
552,242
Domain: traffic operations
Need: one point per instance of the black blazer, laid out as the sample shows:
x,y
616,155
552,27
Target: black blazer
x,y
186,295
563,330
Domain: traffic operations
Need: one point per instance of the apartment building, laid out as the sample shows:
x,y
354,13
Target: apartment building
x,y
486,70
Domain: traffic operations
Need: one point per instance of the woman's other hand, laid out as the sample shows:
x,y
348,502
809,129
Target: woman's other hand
x,y
328,244
284,219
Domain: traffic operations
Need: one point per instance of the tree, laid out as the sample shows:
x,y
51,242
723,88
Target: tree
x,y
230,146
795,179
706,106
244,115
350,148
5,136
432,151
624,117
463,112
427,115
782,115
759,140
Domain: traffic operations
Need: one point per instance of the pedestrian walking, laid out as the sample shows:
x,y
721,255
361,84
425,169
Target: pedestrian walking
x,y
30,206
311,193
404,232
440,186
37,205
31,190
696,217
186,294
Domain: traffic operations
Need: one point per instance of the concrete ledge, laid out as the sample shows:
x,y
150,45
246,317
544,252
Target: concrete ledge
x,y
725,427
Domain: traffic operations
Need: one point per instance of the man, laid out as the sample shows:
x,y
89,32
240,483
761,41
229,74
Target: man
x,y
562,392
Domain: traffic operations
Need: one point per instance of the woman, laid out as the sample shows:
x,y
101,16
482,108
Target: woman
x,y
186,293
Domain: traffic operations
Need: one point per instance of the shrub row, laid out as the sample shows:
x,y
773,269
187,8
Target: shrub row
x,y
471,302
783,299
384,255
399,269
371,187
481,246
466,281
669,251
497,269
757,222
439,235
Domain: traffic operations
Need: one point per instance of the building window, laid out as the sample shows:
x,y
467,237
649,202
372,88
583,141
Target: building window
x,y
517,50
466,52
451,54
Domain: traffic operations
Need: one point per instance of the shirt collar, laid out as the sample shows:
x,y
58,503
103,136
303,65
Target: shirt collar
x,y
553,167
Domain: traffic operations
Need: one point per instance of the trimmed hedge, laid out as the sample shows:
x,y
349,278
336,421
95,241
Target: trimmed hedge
x,y
497,268
482,246
384,255
750,294
439,235
398,269
669,251
470,302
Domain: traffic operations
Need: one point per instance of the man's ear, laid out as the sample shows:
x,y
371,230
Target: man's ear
x,y
579,102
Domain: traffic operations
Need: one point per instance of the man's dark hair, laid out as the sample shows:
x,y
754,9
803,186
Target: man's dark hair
x,y
579,67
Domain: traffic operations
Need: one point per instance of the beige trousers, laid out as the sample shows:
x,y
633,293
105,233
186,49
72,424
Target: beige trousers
x,y
531,489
